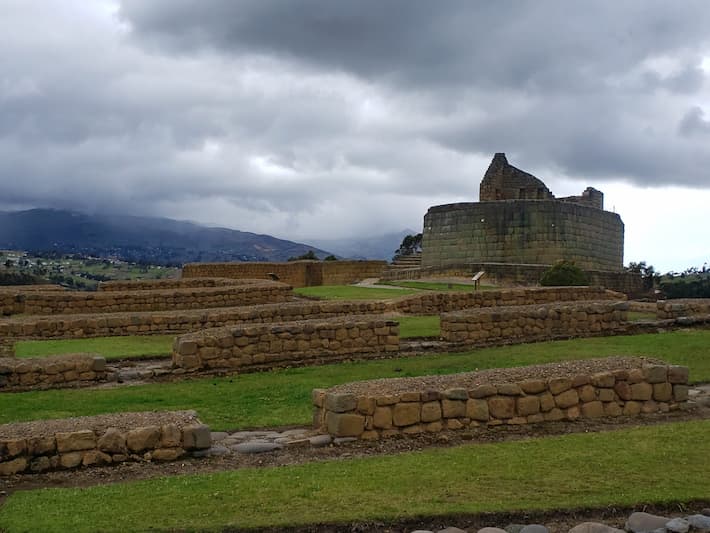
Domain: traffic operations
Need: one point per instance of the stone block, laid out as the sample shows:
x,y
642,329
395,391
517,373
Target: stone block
x,y
606,395
631,408
641,391
186,347
170,436
655,373
680,393
482,391
559,385
477,410
112,441
95,458
612,409
431,411
568,398
40,464
366,406
678,374
594,409
382,418
71,459
528,405
662,392
75,441
453,408
41,445
533,386
167,454
456,394
340,403
603,380
587,393
318,397
406,414
196,437
145,438
554,415
12,448
15,466
623,390
547,402
501,407
345,424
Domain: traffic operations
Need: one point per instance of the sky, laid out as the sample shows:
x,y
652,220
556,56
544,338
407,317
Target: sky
x,y
328,119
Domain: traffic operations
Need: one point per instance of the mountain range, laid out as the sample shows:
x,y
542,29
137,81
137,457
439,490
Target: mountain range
x,y
164,241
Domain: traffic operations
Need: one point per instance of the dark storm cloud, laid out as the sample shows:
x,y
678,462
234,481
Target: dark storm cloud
x,y
280,116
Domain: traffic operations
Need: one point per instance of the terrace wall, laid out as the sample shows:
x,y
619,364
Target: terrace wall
x,y
527,323
295,273
55,303
52,372
102,440
272,345
562,391
158,284
682,307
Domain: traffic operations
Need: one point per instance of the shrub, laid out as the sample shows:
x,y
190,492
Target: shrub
x,y
564,274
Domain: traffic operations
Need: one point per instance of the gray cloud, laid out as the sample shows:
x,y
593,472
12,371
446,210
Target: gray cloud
x,y
330,118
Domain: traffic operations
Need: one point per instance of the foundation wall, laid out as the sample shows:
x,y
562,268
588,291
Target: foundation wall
x,y
682,307
386,413
52,372
159,284
293,343
89,443
527,323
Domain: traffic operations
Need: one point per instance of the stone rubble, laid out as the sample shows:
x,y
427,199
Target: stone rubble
x,y
638,522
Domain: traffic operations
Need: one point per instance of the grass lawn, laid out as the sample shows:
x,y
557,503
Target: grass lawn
x,y
616,468
419,326
109,347
282,397
438,286
351,292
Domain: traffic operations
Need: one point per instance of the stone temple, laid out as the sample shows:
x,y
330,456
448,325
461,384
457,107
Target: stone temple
x,y
518,221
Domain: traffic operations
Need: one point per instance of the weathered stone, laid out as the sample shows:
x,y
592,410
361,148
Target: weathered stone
x,y
40,464
593,409
559,385
632,408
567,399
662,392
70,460
477,410
532,386
171,436
623,389
405,414
482,391
534,528
678,525
640,522
547,402
340,403
75,440
456,394
262,447
699,521
453,408
680,393
95,457
196,437
14,466
366,406
501,407
678,374
655,373
41,446
318,397
594,527
345,424
606,395
12,448
431,411
528,405
587,393
491,530
112,441
145,438
319,441
612,409
641,391
554,415
509,389
382,418
603,379
167,454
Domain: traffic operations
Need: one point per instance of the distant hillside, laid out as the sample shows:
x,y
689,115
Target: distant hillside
x,y
160,241
378,247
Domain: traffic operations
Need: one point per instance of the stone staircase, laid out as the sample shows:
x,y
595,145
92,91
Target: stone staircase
x,y
404,267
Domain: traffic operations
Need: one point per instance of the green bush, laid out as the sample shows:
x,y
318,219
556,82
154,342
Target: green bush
x,y
564,274
684,286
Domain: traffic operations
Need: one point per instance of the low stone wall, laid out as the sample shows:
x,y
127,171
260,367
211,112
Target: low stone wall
x,y
593,388
525,323
51,303
431,303
271,345
166,322
11,303
52,372
682,307
158,284
295,273
100,440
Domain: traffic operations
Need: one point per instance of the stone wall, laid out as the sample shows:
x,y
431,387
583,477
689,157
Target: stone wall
x,y
70,302
429,303
561,391
522,231
166,322
11,303
295,273
157,284
682,307
271,345
52,372
527,323
101,440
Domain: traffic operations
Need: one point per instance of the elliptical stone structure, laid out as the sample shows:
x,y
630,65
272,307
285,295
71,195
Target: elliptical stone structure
x,y
519,221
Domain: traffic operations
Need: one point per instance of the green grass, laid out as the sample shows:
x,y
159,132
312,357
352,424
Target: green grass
x,y
109,347
282,397
351,292
419,326
438,286
617,468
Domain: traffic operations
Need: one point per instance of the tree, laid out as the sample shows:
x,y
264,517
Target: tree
x,y
310,255
411,244
564,274
330,257
647,272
